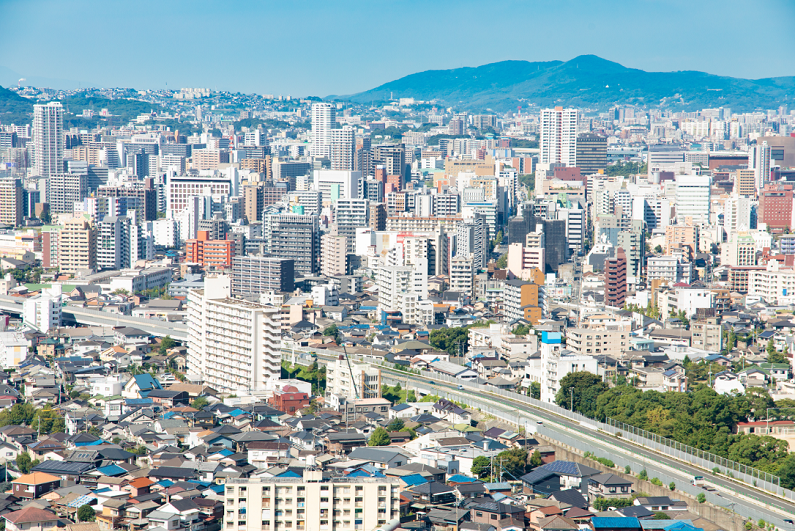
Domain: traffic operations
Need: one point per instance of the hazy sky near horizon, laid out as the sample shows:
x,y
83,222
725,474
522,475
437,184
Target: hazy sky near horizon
x,y
319,48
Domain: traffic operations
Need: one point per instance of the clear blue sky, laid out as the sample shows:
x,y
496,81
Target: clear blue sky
x,y
313,47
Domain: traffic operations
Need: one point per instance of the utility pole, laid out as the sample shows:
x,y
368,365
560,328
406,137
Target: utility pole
x,y
571,394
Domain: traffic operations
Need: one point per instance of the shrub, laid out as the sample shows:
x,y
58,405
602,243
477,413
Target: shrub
x,y
716,471
656,481
643,475
672,486
628,469
701,498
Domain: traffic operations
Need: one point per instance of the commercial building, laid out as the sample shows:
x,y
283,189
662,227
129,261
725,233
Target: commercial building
x,y
616,279
48,143
209,254
693,198
591,153
745,182
558,132
337,184
181,188
234,345
314,502
258,274
776,207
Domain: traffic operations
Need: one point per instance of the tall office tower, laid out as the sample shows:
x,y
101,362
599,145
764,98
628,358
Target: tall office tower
x,y
252,203
759,161
48,138
113,242
591,153
333,254
692,198
141,196
371,190
324,119
77,246
342,149
363,161
349,215
473,242
258,274
558,128
296,237
616,279
64,190
232,343
11,199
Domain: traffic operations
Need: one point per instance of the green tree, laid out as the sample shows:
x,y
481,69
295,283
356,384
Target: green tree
x,y
396,425
17,414
512,462
86,513
672,486
701,498
770,349
379,437
777,357
331,330
659,515
521,330
411,396
165,344
502,261
24,463
658,250
454,341
481,467
47,420
643,476
582,389
786,471
535,390
140,450
535,459
199,403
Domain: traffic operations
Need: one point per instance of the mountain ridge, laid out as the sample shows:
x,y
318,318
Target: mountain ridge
x,y
585,81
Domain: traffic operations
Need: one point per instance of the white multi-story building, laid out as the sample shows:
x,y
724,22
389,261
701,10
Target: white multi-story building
x,y
671,268
312,503
48,142
400,288
324,119
461,275
342,148
337,184
558,131
42,312
114,242
445,205
350,380
165,233
557,362
759,161
776,284
13,349
737,213
473,241
233,344
180,188
693,198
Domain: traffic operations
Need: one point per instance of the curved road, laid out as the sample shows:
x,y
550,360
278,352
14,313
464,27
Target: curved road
x,y
768,507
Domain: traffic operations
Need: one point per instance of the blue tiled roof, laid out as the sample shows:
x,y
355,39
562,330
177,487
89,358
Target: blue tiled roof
x,y
218,489
460,478
145,382
92,443
615,522
111,470
224,453
139,401
238,411
412,480
288,474
165,483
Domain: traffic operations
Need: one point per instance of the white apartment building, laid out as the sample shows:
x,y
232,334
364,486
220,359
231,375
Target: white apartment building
x,y
13,349
558,132
42,312
312,503
180,188
354,380
557,362
324,119
400,288
671,268
522,260
165,233
48,140
693,198
233,344
737,213
461,275
342,147
688,300
776,284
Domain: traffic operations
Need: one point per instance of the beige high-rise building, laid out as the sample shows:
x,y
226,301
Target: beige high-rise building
x,y
310,504
744,183
77,246
10,202
333,252
48,141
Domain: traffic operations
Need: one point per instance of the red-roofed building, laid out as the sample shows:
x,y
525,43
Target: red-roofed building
x,y
34,485
289,399
31,519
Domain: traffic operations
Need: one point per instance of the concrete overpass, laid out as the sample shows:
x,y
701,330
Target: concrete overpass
x,y
82,316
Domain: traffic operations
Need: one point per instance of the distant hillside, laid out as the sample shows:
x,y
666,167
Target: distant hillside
x,y
585,81
19,110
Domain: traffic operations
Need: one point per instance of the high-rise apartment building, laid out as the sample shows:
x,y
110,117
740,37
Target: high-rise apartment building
x,y
48,142
378,216
66,189
337,184
759,161
113,242
77,246
393,158
11,196
258,274
462,274
233,344
693,198
591,153
349,215
296,237
473,241
141,195
745,182
324,120
399,290
558,132
316,502
333,255
524,300
342,148
209,254
616,279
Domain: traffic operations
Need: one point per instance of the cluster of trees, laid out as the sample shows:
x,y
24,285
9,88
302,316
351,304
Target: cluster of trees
x,y
25,275
449,339
626,169
314,374
512,462
45,420
701,418
651,311
397,395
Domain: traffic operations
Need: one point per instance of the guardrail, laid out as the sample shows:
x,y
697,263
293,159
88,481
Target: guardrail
x,y
705,460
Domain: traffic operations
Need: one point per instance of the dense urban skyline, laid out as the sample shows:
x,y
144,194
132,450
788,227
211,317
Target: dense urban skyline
x,y
322,48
